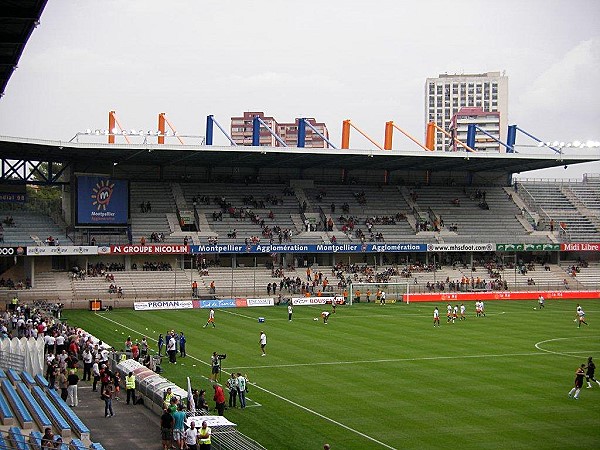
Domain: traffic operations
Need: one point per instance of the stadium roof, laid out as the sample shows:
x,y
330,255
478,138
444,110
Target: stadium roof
x,y
18,18
275,157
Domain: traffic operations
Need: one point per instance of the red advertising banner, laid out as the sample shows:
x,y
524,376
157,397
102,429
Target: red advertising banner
x,y
500,295
580,247
149,249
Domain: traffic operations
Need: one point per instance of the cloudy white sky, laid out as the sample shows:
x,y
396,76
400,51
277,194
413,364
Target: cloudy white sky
x,y
329,59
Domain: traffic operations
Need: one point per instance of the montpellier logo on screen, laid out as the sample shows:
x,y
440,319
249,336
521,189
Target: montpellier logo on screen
x,y
101,194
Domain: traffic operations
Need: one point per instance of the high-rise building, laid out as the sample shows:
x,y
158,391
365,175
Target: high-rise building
x,y
447,94
241,131
486,121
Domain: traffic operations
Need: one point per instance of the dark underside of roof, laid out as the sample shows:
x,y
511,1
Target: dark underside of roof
x,y
18,19
266,157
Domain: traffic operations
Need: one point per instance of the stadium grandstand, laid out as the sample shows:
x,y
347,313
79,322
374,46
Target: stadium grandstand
x,y
151,225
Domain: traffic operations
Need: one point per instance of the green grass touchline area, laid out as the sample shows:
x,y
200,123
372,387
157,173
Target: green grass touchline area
x,y
384,377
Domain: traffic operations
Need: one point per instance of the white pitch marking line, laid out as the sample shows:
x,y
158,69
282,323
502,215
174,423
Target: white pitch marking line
x,y
425,358
372,439
538,345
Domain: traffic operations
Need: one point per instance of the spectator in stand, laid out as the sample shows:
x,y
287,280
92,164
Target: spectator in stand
x,y
72,380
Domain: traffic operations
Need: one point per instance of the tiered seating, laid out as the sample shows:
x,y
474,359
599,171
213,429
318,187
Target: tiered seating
x,y
17,405
381,201
552,200
33,406
588,194
74,421
498,224
17,439
145,223
234,194
6,414
31,228
53,413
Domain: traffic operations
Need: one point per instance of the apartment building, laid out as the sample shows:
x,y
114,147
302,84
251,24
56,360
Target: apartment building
x,y
447,94
241,131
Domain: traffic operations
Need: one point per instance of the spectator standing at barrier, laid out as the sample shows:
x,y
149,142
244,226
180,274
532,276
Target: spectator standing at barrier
x,y
179,427
166,429
96,374
241,384
219,399
72,380
88,359
63,384
130,387
232,386
204,436
191,437
107,395
290,311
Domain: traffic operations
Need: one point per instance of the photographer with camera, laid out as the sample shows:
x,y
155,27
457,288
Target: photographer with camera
x,y
215,364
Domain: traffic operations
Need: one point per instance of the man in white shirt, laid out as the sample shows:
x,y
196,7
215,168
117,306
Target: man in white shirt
x,y
191,437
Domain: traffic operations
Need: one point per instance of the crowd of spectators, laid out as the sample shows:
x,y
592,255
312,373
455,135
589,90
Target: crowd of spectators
x,y
157,237
9,283
157,266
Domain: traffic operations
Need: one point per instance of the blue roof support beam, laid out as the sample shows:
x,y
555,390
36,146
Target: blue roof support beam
x,y
256,124
471,131
511,138
508,149
309,125
210,121
536,139
301,132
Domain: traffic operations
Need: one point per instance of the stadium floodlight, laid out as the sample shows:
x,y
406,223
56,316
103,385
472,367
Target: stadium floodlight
x,y
133,131
105,132
576,143
555,144
88,131
541,144
115,130
97,132
562,144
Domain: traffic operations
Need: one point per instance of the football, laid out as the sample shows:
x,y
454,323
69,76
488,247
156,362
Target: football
x,y
316,318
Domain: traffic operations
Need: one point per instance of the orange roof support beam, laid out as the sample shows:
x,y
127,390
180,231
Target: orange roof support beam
x,y
462,144
346,134
424,147
162,120
430,136
111,125
161,128
389,135
112,121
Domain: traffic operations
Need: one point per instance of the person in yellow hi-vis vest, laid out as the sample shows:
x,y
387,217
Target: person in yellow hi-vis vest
x,y
204,436
130,386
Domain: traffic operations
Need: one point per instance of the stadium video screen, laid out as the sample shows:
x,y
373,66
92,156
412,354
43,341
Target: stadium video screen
x,y
102,201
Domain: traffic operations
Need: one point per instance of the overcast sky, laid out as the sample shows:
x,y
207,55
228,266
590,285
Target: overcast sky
x,y
329,59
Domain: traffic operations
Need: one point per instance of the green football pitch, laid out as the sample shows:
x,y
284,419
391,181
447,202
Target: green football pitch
x,y
384,377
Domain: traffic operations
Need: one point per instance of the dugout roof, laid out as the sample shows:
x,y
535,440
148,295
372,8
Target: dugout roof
x,y
90,154
18,19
